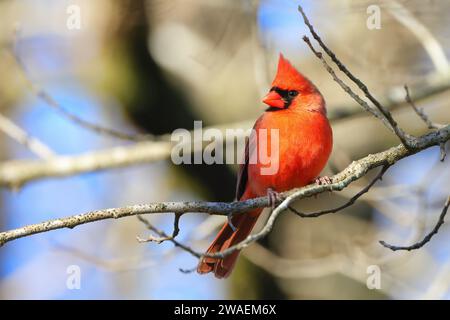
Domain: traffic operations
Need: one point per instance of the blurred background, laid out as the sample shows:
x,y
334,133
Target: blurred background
x,y
152,66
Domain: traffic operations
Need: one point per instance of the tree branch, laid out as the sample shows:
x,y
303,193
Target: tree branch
x,y
353,172
431,125
350,202
427,238
15,173
21,136
51,102
163,237
387,118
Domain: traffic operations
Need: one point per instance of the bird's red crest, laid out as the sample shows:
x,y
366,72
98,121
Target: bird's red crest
x,y
288,78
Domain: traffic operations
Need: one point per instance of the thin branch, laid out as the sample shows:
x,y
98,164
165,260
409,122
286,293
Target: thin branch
x,y
427,238
16,173
353,172
431,125
257,236
285,204
342,84
21,136
394,100
162,238
405,138
50,101
421,113
443,151
350,202
162,234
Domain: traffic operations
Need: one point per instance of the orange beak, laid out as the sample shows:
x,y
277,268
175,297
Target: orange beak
x,y
274,99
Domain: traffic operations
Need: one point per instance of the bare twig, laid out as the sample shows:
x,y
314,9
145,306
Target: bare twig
x,y
16,173
427,238
342,84
350,202
431,125
443,152
230,221
21,136
408,141
431,85
163,235
269,224
388,120
50,101
162,238
421,113
353,172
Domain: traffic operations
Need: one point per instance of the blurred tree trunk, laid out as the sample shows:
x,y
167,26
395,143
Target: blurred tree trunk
x,y
152,101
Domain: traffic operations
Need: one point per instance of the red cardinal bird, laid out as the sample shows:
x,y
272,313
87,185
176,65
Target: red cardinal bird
x,y
297,110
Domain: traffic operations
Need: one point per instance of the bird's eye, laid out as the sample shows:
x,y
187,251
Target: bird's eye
x,y
292,93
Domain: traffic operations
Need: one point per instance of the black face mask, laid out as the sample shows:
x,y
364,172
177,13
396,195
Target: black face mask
x,y
286,95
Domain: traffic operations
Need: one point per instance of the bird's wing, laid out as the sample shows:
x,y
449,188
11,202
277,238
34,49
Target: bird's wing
x,y
242,177
250,148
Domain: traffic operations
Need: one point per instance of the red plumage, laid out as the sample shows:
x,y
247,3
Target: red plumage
x,y
297,111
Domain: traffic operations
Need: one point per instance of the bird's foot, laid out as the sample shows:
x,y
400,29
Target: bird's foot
x,y
274,198
323,180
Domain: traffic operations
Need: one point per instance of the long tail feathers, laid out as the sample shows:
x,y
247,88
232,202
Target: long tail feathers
x,y
226,238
